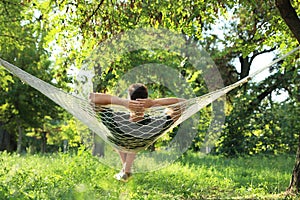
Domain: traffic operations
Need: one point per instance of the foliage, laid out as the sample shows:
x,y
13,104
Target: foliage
x,y
269,129
22,44
250,29
23,110
81,176
51,40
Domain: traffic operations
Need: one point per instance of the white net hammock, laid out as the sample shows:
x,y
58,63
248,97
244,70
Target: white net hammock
x,y
112,123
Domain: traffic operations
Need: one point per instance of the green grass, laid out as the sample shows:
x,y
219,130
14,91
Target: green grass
x,y
63,176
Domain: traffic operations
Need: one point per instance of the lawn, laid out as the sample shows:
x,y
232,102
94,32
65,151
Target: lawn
x,y
82,176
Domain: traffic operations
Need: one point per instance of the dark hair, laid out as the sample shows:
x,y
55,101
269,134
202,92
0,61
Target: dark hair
x,y
138,91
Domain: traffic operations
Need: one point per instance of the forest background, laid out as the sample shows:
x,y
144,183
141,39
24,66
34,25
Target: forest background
x,y
50,39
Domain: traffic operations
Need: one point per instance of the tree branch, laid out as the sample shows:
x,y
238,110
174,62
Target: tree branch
x,y
261,52
281,81
93,13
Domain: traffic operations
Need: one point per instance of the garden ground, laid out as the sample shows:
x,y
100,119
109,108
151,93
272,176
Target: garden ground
x,y
82,176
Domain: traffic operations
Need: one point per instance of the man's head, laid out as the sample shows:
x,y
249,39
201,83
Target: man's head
x,y
137,91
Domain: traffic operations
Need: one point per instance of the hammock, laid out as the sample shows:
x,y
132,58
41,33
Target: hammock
x,y
131,137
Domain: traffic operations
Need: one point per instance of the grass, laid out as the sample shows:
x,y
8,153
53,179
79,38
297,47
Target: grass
x,y
64,176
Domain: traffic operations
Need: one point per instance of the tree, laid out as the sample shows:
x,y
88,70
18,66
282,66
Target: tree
x,y
287,77
248,31
22,43
292,20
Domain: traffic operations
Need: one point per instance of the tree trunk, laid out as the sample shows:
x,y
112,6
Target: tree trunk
x,y
98,146
44,142
245,66
2,141
290,16
20,137
7,141
295,180
65,146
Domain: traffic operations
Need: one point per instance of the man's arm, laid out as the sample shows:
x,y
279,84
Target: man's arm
x,y
106,99
101,99
166,101
173,111
160,102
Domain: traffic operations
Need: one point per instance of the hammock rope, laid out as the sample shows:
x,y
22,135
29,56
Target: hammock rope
x,y
130,136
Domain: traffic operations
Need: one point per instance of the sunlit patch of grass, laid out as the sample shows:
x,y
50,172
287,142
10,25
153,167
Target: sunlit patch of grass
x,y
64,176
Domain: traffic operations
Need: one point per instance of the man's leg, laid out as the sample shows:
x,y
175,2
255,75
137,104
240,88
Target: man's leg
x,y
123,157
129,162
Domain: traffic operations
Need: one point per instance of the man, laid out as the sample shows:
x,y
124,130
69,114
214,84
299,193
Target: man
x,y
137,103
